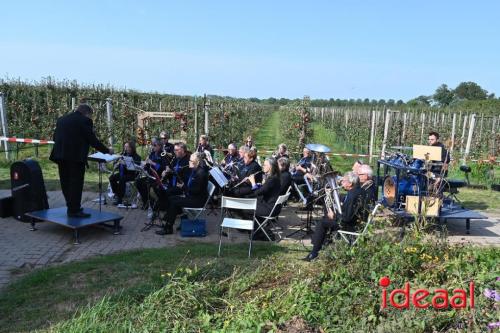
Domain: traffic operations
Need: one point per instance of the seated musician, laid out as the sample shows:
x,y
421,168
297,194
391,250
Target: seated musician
x,y
282,152
302,167
176,173
440,169
285,176
167,146
249,142
155,162
203,146
232,156
369,187
352,206
356,166
267,193
194,189
119,179
231,161
249,167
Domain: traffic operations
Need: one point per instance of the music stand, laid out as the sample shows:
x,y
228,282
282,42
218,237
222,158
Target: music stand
x,y
101,159
221,180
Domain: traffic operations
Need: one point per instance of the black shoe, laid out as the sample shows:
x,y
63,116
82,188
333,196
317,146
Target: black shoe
x,y
79,214
117,202
310,257
167,231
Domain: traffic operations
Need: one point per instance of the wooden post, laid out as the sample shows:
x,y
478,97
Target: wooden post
x,y
206,106
372,135
109,115
494,136
3,120
453,133
463,135
195,122
422,129
403,135
469,138
386,131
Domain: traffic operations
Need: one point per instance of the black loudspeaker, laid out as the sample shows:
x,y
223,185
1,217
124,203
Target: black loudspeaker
x,y
28,189
6,207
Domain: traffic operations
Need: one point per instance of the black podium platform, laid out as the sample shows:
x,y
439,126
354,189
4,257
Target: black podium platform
x,y
59,216
449,212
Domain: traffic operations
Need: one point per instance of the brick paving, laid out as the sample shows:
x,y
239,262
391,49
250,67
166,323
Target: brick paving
x,y
53,244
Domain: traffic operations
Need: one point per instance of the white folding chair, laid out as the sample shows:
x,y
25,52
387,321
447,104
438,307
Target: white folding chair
x,y
232,223
195,213
352,237
299,192
272,218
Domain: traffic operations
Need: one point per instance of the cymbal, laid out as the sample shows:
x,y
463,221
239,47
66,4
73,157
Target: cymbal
x,y
318,147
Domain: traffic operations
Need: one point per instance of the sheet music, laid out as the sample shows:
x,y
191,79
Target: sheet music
x,y
129,163
106,157
219,176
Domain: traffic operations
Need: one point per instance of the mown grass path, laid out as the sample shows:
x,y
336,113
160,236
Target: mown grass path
x,y
269,136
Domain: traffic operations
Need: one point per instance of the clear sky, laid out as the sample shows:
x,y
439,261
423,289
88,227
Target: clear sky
x,y
325,49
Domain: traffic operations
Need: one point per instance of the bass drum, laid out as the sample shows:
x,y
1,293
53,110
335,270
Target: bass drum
x,y
407,186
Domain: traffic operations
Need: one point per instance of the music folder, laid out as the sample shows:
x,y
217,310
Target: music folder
x,y
103,158
219,177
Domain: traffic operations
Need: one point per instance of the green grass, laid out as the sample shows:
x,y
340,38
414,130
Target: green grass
x,y
269,137
486,200
173,290
49,295
328,138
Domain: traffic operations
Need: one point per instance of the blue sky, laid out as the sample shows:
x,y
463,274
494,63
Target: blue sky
x,y
325,49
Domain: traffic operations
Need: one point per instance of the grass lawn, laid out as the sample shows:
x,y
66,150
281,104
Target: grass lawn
x,y
47,296
269,136
486,200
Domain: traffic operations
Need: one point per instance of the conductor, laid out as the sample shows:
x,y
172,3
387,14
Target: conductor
x,y
73,135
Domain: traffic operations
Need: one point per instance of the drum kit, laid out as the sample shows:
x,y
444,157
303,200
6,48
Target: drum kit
x,y
410,179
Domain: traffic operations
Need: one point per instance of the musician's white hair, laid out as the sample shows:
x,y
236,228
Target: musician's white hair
x,y
366,169
232,146
351,177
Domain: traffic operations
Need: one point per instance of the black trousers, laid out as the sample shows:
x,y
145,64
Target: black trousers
x,y
240,191
118,182
175,205
322,229
143,185
71,176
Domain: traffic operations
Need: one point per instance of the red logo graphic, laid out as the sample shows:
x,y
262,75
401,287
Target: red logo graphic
x,y
440,297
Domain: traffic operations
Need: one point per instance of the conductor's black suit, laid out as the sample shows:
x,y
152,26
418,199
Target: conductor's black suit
x,y
73,137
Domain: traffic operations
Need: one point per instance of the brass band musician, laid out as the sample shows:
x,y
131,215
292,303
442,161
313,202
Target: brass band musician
x,y
194,190
167,146
122,175
155,161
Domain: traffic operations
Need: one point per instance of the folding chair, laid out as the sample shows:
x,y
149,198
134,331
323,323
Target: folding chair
x,y
352,237
299,193
195,213
232,223
272,218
